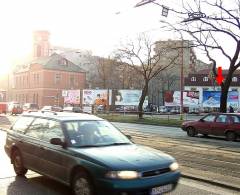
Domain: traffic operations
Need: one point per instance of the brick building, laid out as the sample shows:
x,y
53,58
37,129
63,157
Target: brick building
x,y
43,80
204,81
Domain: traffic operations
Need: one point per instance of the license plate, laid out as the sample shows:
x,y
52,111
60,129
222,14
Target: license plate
x,y
161,189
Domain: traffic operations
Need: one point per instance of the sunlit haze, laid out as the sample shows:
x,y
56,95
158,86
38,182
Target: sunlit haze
x,y
92,25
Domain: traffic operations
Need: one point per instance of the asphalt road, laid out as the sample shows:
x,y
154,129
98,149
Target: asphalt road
x,y
222,157
35,184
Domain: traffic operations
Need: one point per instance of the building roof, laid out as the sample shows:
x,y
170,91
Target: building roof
x,y
53,62
208,70
199,78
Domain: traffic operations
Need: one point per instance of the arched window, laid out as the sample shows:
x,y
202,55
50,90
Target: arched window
x,y
193,79
205,79
39,51
234,79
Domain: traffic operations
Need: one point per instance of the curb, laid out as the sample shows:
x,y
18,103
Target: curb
x,y
224,185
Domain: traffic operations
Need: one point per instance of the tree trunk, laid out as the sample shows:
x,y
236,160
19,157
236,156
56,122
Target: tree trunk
x,y
140,105
223,99
224,93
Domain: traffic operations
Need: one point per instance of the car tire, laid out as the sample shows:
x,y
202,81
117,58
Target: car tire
x,y
191,132
231,136
82,184
205,135
17,161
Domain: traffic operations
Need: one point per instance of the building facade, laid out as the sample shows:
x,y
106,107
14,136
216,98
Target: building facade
x,y
43,80
203,81
169,79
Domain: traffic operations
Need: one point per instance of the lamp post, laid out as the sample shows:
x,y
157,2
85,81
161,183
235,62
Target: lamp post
x,y
181,84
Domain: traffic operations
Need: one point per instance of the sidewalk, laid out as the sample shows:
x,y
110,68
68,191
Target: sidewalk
x,y
212,178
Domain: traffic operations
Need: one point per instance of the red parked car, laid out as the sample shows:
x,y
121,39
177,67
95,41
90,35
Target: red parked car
x,y
14,108
3,107
217,124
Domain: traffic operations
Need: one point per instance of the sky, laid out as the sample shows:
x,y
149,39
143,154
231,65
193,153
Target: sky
x,y
82,24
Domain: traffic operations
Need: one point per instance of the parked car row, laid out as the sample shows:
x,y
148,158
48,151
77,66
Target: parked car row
x,y
15,108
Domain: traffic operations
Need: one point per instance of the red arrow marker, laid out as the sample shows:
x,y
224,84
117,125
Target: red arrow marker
x,y
219,77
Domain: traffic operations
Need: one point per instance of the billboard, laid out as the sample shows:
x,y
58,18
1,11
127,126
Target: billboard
x,y
97,96
190,98
71,96
129,97
212,99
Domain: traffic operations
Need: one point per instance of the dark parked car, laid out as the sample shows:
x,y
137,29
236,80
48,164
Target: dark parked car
x,y
218,124
52,109
30,107
89,154
72,109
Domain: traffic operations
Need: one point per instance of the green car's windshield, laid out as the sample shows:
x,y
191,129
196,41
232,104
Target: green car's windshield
x,y
94,134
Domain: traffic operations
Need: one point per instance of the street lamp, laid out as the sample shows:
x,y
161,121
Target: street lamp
x,y
165,11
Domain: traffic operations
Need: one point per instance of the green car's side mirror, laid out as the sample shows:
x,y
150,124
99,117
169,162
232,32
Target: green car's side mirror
x,y
57,141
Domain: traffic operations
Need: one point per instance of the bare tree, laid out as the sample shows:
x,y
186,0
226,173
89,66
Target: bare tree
x,y
104,67
213,25
126,79
144,59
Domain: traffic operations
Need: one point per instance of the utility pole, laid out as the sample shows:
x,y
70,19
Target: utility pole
x,y
181,83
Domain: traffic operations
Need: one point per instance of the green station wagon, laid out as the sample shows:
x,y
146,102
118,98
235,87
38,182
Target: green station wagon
x,y
88,154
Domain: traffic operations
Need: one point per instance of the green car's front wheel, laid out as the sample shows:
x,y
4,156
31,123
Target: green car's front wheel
x,y
82,184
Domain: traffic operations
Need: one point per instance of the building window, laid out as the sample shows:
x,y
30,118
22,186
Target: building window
x,y
76,80
34,99
57,78
20,81
23,81
63,62
71,80
37,98
34,79
37,78
205,79
234,79
193,79
39,52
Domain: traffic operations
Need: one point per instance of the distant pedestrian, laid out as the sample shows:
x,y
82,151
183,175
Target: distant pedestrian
x,y
231,110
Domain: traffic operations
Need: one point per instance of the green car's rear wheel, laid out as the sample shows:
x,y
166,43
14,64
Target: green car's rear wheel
x,y
17,161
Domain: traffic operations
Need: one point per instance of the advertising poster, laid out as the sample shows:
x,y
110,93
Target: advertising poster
x,y
190,98
212,99
73,97
96,96
129,97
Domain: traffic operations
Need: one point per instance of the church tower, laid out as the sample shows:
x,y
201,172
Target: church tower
x,y
41,45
